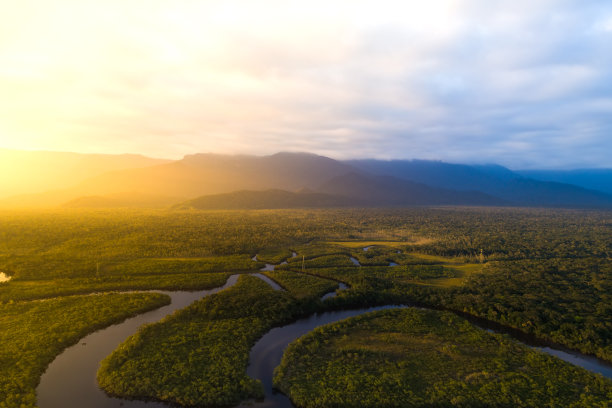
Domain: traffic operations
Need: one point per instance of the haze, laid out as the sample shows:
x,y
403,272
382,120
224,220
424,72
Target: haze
x,y
520,83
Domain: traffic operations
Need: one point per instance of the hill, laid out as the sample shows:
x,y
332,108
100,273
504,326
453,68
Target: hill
x,y
268,199
205,174
493,180
197,175
386,190
368,182
593,179
30,172
122,200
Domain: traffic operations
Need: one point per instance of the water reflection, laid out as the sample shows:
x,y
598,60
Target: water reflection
x,y
269,281
70,380
267,353
341,286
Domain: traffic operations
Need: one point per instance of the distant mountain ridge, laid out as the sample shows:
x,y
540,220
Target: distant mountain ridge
x,y
122,200
205,174
593,179
267,199
59,170
392,191
493,180
243,181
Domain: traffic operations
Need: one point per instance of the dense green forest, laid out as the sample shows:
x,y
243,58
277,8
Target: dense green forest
x,y
40,289
205,348
33,333
421,358
302,285
545,272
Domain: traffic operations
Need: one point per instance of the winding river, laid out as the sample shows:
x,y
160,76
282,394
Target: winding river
x,y
268,351
70,380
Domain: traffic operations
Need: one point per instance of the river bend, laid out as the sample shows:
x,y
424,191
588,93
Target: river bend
x,y
70,380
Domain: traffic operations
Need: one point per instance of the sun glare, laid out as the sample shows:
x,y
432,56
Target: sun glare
x,y
59,66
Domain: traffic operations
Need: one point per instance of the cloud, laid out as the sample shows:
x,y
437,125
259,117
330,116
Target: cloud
x,y
522,83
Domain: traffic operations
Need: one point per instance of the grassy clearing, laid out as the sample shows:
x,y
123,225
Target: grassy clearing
x,y
416,358
463,272
455,265
32,334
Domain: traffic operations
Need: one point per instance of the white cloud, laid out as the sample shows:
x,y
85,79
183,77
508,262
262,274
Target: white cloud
x,y
468,80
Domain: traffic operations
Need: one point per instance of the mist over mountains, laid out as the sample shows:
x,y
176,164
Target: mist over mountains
x,y
282,180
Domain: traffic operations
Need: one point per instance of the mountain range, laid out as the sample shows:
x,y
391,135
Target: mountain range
x,y
282,180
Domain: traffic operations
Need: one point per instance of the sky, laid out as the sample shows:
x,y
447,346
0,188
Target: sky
x,y
522,83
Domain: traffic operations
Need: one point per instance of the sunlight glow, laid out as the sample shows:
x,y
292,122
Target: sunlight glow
x,y
74,70
170,78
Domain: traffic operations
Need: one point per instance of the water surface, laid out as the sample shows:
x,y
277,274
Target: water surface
x,y
267,353
70,380
269,281
341,286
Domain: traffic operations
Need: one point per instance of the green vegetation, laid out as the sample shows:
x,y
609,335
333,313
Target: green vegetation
x,y
45,245
416,358
544,272
302,285
375,255
156,266
317,249
33,333
568,301
203,348
324,261
41,289
274,255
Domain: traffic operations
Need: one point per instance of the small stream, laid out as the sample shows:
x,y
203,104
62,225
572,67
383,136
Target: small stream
x,y
270,267
269,281
341,286
276,286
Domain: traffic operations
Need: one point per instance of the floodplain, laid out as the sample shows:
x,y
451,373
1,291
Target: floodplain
x,y
541,273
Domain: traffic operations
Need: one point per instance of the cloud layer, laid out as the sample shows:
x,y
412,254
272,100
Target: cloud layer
x,y
522,83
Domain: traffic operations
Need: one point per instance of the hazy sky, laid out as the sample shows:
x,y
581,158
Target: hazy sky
x,y
524,83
